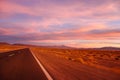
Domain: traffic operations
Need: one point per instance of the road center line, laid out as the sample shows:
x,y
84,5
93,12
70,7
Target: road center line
x,y
44,70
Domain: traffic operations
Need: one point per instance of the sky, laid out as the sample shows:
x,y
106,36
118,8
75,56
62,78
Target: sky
x,y
75,23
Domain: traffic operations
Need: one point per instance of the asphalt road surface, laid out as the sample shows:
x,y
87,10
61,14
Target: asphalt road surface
x,y
62,69
20,65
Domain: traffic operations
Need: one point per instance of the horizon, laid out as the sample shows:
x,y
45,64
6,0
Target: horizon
x,y
56,45
74,23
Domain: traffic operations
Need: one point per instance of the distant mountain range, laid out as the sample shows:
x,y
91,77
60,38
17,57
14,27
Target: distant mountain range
x,y
110,48
63,47
102,48
4,43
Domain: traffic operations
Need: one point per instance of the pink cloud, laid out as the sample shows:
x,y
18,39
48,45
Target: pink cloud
x,y
115,34
89,31
12,8
51,10
90,20
16,31
5,31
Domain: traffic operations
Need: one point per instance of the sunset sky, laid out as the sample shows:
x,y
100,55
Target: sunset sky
x,y
76,23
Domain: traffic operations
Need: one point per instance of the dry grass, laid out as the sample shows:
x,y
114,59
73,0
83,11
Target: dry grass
x,y
108,60
4,48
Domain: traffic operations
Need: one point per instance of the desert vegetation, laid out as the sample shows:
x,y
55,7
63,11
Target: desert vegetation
x,y
4,48
103,59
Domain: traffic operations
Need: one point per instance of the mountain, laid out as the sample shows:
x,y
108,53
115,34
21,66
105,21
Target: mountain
x,y
61,46
4,43
102,48
19,44
110,48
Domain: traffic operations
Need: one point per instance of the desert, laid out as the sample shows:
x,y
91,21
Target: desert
x,y
74,64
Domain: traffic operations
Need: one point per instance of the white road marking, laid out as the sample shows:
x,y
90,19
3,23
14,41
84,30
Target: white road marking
x,y
11,55
44,70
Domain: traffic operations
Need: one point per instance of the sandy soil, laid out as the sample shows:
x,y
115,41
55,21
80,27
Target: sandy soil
x,y
63,69
70,64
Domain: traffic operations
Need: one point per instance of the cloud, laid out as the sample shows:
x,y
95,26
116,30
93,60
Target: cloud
x,y
59,31
110,34
64,9
45,20
15,29
89,32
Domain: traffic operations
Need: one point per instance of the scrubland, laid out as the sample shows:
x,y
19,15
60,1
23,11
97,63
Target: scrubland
x,y
4,48
102,59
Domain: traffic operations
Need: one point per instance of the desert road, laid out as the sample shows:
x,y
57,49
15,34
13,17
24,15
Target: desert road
x,y
23,65
63,69
20,65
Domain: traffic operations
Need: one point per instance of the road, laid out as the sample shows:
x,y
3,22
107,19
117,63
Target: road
x,y
20,65
62,69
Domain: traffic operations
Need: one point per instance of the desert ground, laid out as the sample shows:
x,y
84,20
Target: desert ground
x,y
75,64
